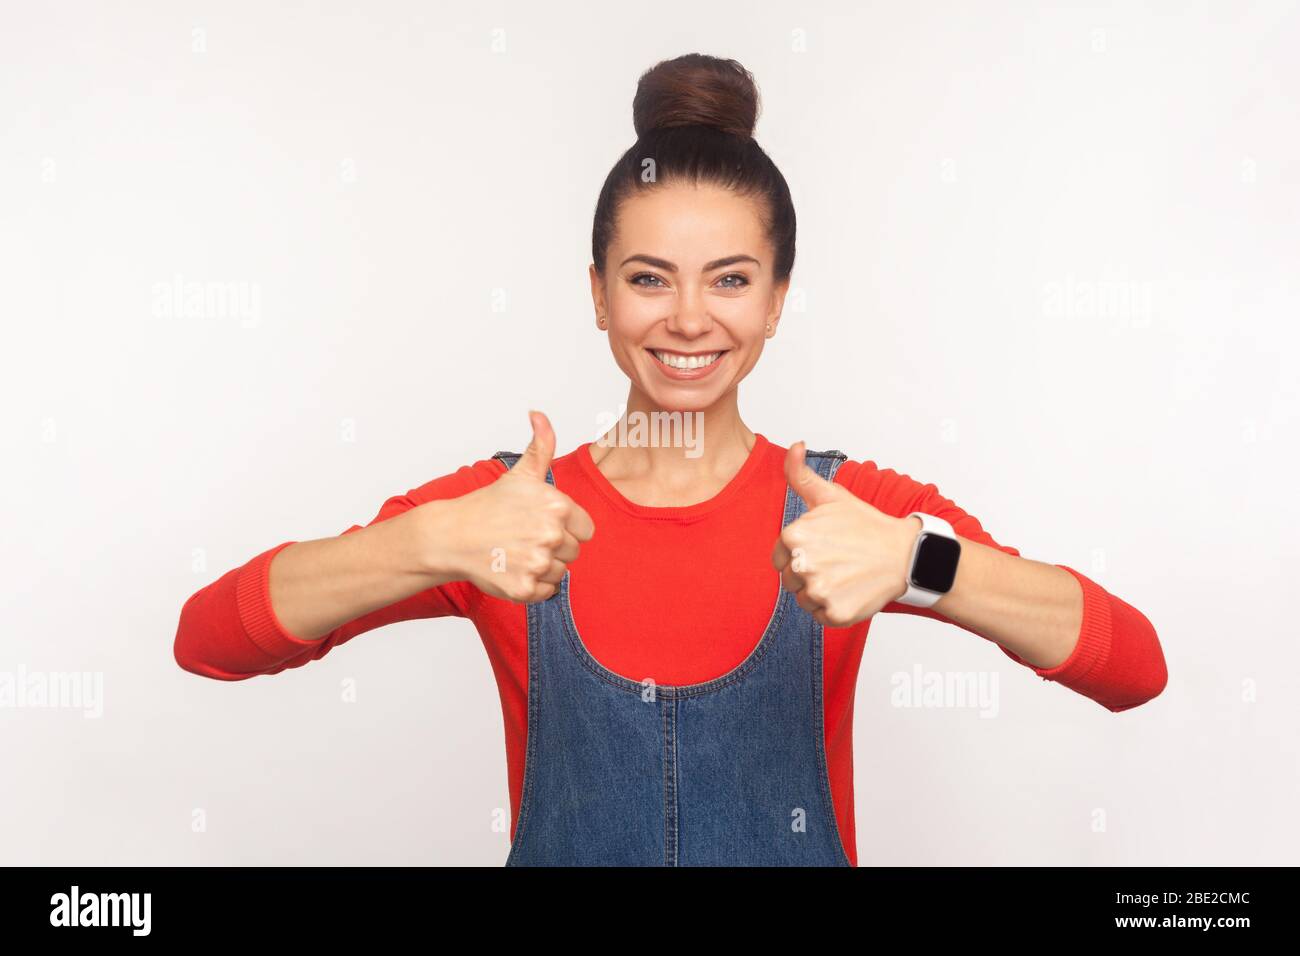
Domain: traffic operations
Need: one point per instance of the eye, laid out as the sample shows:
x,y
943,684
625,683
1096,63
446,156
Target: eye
x,y
735,275
644,275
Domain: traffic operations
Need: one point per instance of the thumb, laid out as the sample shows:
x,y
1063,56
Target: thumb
x,y
807,484
536,459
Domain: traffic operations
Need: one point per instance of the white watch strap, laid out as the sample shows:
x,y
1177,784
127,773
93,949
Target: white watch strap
x,y
931,524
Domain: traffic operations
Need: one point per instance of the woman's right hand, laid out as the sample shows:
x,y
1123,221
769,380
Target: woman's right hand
x,y
513,538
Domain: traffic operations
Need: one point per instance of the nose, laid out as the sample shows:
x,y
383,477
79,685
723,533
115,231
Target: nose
x,y
690,316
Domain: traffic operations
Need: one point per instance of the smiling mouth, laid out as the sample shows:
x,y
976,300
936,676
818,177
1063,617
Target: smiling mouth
x,y
686,361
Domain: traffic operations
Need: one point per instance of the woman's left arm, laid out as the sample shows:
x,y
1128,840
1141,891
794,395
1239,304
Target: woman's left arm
x,y
1034,610
1051,618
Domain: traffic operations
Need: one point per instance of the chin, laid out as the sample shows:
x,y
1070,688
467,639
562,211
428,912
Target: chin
x,y
683,400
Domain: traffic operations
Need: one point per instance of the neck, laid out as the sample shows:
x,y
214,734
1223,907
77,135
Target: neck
x,y
674,450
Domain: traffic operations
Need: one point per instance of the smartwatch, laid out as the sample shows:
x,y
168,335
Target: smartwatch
x,y
932,567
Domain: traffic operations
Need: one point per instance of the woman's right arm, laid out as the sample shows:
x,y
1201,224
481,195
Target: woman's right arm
x,y
318,586
298,600
428,553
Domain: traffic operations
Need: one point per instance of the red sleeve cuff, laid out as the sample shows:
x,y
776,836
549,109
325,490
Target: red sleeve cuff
x,y
253,598
1093,646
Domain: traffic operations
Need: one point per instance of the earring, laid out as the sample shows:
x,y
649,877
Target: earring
x,y
769,330
601,321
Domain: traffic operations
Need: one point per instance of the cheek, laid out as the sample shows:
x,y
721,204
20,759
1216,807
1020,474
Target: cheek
x,y
750,350
747,322
631,317
625,337
624,351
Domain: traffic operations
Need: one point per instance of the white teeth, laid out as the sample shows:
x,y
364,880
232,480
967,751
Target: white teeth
x,y
673,360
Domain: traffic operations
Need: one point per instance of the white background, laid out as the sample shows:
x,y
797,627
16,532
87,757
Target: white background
x,y
408,189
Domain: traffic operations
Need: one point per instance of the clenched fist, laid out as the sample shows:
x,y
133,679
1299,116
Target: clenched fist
x,y
843,558
514,538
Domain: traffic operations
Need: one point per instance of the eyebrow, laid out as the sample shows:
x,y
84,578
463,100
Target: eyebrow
x,y
671,267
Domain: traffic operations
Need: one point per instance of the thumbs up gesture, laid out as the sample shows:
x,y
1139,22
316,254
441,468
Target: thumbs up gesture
x,y
843,559
514,538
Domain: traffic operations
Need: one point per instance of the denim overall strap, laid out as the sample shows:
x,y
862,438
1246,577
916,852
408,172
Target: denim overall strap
x,y
629,772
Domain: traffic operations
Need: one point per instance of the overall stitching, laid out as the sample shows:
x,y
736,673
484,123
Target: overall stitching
x,y
669,710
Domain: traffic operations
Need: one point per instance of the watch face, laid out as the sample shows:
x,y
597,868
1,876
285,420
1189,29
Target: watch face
x,y
935,567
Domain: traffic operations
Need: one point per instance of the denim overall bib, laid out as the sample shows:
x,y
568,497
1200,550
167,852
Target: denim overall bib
x,y
729,772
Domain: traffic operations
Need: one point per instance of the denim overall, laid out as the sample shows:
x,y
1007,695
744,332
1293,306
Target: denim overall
x,y
729,772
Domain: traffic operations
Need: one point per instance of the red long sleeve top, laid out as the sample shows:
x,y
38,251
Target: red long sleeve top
x,y
694,619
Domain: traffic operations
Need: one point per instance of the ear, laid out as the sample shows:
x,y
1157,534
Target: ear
x,y
597,293
779,292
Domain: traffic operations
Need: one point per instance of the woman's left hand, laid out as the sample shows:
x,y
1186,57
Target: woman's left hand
x,y
843,558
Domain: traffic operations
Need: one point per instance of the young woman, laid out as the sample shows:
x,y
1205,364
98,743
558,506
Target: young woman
x,y
676,632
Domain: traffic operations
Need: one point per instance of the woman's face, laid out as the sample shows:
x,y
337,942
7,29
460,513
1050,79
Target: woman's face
x,y
688,295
